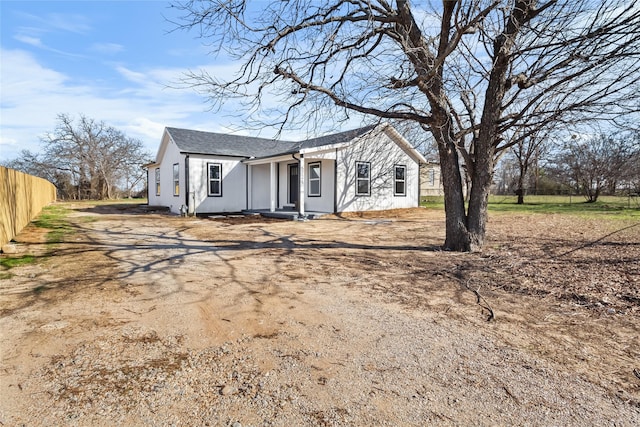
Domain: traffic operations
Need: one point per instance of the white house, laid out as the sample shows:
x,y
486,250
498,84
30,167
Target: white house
x,y
371,168
431,179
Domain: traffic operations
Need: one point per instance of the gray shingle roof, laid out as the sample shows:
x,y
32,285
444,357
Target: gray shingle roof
x,y
335,138
199,142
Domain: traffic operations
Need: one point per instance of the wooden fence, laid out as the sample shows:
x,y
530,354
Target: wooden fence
x,y
22,197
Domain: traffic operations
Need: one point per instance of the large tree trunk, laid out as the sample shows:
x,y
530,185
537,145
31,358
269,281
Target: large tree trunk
x,y
457,236
479,200
465,230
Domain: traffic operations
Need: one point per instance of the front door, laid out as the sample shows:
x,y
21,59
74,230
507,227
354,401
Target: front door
x,y
293,184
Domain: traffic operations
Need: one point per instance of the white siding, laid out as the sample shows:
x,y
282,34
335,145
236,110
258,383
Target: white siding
x,y
260,186
170,156
324,203
234,184
383,154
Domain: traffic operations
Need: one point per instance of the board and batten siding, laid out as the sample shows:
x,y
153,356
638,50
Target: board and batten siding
x,y
383,154
259,195
324,202
234,184
169,157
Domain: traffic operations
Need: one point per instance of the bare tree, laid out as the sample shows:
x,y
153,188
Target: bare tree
x,y
471,72
87,160
599,164
527,153
37,164
418,138
97,157
32,164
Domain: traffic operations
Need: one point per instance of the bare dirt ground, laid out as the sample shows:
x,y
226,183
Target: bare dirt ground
x,y
142,318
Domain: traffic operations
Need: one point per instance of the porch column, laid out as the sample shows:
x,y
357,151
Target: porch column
x,y
272,187
301,186
249,187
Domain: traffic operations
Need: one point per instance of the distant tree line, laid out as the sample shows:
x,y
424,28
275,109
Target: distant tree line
x,y
87,159
601,164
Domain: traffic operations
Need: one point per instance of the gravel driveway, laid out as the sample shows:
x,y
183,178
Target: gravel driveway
x,y
141,318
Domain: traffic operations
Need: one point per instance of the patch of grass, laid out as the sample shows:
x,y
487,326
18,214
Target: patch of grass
x,y
54,218
608,206
9,263
435,202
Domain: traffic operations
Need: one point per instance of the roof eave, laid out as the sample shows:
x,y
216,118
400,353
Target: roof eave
x,y
273,158
402,141
196,153
325,148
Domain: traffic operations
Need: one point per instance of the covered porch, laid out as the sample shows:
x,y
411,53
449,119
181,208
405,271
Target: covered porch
x,y
294,186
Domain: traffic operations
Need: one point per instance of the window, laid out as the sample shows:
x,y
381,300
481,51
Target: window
x,y
215,179
314,180
432,177
363,178
400,181
176,179
157,181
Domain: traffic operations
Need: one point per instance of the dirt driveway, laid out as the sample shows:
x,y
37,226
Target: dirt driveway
x,y
142,318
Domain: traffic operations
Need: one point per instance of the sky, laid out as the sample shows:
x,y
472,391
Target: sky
x,y
114,61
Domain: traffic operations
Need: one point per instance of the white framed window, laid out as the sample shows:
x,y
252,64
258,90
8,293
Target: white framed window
x,y
176,179
314,179
157,181
363,178
432,177
399,180
215,179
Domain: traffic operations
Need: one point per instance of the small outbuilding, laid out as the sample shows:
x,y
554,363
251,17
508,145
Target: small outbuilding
x,y
371,168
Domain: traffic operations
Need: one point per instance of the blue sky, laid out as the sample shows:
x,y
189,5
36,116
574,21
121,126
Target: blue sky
x,y
109,60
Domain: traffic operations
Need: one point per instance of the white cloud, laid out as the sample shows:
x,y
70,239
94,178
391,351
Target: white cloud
x,y
37,42
74,23
132,76
33,41
107,48
140,102
145,126
33,95
40,27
